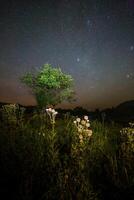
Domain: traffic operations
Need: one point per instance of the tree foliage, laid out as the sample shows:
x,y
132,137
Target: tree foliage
x,y
49,85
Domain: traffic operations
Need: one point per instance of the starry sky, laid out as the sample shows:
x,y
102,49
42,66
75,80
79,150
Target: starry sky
x,y
93,40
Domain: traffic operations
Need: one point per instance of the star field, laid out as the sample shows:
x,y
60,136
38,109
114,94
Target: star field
x,y
91,40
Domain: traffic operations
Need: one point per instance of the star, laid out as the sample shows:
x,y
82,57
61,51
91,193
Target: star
x,y
127,76
78,59
131,48
108,16
88,22
130,76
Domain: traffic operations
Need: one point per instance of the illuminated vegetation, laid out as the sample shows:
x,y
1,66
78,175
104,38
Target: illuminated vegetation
x,y
49,85
44,156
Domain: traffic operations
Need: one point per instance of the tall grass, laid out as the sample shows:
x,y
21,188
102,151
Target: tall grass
x,y
37,164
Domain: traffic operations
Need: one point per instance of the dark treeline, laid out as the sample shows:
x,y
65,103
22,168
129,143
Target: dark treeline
x,y
123,113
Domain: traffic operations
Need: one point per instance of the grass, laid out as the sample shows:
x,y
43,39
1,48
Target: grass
x,y
41,162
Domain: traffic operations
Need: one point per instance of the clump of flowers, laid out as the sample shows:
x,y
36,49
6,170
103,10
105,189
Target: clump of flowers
x,y
52,114
128,135
13,113
83,128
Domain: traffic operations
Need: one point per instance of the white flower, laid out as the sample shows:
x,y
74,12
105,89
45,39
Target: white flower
x,y
83,122
52,110
80,126
55,113
78,119
79,130
48,110
81,141
52,114
89,133
87,125
86,117
80,137
75,122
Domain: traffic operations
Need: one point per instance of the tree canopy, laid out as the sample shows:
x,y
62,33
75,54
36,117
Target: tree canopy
x,y
49,85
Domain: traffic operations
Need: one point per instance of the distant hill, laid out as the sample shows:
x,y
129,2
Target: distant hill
x,y
126,109
128,105
123,113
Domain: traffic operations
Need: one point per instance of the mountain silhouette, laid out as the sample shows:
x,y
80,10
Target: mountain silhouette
x,y
128,105
124,112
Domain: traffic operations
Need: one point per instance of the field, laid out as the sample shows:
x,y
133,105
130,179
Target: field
x,y
45,156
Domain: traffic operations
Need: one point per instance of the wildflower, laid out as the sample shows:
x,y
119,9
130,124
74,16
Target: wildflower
x,y
55,113
52,114
89,133
87,125
86,117
79,130
81,137
83,128
78,119
81,141
83,122
80,126
49,109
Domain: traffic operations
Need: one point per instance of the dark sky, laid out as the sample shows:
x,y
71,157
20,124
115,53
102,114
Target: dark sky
x,y
93,40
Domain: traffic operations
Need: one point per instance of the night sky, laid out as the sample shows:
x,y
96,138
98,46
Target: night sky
x,y
93,40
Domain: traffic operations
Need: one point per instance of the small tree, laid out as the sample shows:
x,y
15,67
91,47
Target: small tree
x,y
50,85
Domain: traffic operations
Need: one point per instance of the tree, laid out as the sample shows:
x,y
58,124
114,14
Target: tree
x,y
49,85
